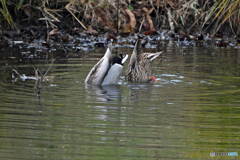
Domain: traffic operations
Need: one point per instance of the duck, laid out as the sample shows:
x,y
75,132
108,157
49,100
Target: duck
x,y
108,69
139,68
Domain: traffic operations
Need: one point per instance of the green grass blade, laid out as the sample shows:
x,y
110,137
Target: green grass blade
x,y
229,13
210,14
20,4
220,9
5,16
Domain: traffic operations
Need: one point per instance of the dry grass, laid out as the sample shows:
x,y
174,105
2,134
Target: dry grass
x,y
133,15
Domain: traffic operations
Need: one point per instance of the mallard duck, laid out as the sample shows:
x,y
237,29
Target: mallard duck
x,y
139,68
107,70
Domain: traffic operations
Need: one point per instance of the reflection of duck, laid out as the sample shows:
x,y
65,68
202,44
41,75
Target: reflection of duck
x,y
104,93
139,68
107,70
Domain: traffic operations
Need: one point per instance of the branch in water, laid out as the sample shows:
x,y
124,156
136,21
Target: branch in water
x,y
16,72
36,73
49,68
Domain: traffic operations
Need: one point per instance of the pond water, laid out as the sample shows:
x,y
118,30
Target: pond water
x,y
193,108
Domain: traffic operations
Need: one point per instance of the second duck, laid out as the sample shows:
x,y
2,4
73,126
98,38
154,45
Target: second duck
x,y
139,68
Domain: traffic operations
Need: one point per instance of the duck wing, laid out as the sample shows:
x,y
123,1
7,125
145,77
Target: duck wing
x,y
133,59
100,70
132,63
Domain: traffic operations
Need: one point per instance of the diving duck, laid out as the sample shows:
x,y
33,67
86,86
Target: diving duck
x,y
139,68
107,70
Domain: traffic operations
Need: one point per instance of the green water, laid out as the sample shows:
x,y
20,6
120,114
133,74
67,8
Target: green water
x,y
192,110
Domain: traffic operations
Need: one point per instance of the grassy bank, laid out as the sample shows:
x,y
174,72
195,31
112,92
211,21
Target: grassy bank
x,y
124,16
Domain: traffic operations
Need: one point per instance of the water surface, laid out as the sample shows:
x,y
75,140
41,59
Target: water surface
x,y
192,110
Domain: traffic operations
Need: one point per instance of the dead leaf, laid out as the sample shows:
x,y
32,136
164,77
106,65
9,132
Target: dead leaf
x,y
139,12
87,16
91,31
28,11
82,1
64,39
128,29
173,3
25,5
132,18
99,19
123,10
150,32
103,19
89,28
77,29
149,19
54,32
142,2
145,9
148,11
119,20
146,25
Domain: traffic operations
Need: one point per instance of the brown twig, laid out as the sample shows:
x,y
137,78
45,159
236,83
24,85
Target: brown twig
x,y
171,24
68,8
36,72
49,68
140,28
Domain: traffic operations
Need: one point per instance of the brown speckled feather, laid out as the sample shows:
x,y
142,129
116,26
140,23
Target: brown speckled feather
x,y
139,68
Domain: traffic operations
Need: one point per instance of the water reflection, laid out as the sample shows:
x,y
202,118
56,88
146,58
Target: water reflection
x,y
139,92
104,93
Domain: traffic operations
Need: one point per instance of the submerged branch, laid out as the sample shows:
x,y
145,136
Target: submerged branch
x,y
36,77
16,72
49,67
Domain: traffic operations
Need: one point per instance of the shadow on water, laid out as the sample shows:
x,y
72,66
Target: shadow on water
x,y
192,110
